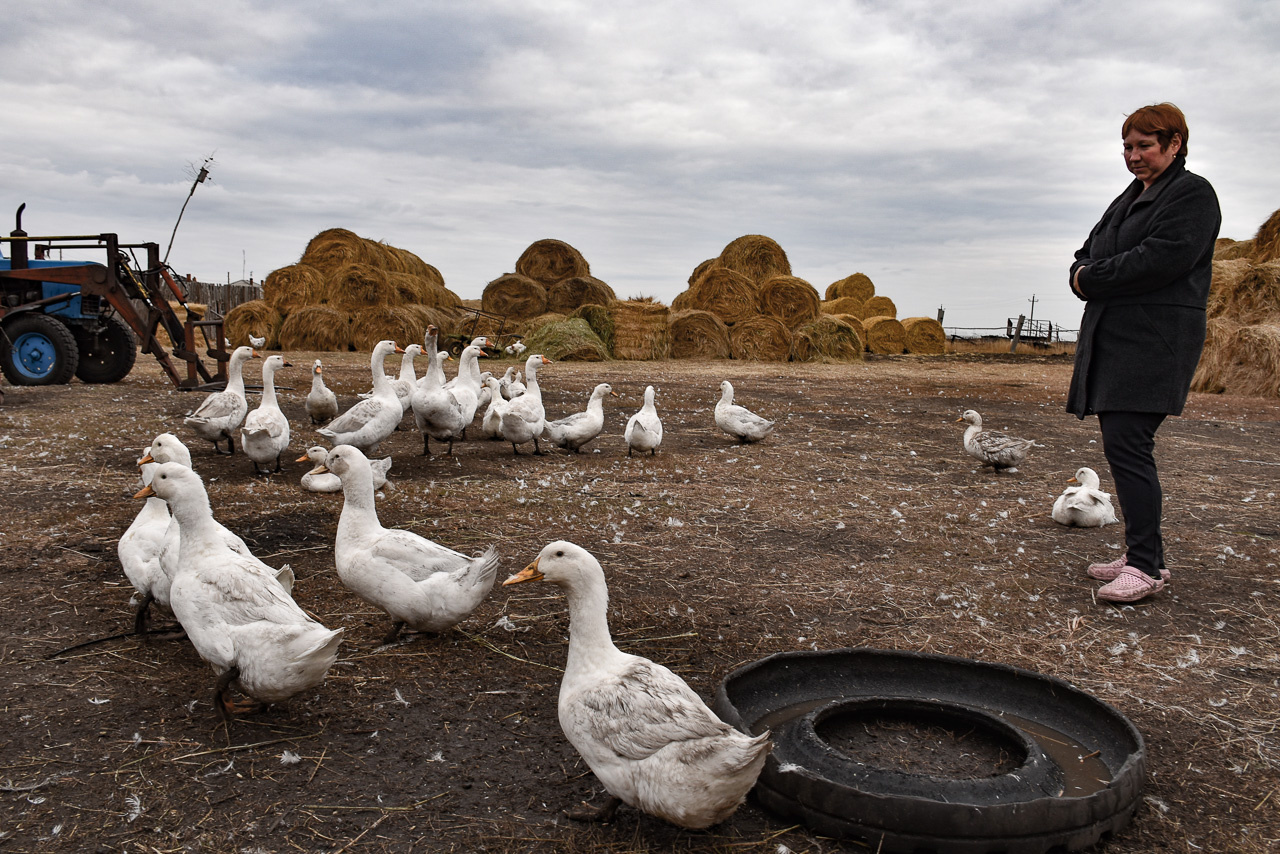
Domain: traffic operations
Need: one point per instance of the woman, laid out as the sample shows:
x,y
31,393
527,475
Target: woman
x,y
1144,275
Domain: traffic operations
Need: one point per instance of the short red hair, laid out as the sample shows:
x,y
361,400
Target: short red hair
x,y
1163,121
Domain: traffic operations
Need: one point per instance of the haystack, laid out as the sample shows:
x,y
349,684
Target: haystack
x,y
550,261
702,268
532,325
410,288
292,287
757,257
445,320
1255,296
925,336
1215,357
762,338
1239,359
1226,277
640,330
516,296
788,298
856,322
568,294
858,286
337,247
729,295
827,339
841,305
878,306
567,340
256,318
1226,249
885,335
396,323
358,285
697,334
1266,243
316,327
598,318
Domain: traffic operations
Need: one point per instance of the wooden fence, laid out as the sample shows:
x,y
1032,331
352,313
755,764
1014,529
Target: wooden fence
x,y
221,298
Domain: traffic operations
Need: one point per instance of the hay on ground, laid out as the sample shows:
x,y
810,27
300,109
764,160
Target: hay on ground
x,y
316,327
697,334
924,336
566,295
533,324
598,318
728,294
841,305
640,330
292,287
858,286
256,318
516,296
885,335
1266,243
700,269
757,257
762,338
550,261
396,323
567,340
358,285
878,306
790,299
827,339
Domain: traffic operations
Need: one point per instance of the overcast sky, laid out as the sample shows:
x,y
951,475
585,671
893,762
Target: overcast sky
x,y
956,152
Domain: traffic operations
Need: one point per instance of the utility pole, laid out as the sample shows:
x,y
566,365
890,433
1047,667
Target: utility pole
x,y
1033,309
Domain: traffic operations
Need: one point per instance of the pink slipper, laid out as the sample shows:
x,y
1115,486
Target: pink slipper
x,y
1130,585
1109,571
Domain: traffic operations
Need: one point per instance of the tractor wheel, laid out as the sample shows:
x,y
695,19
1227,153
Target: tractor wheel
x,y
107,355
37,350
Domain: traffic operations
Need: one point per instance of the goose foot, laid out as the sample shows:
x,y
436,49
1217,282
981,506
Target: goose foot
x,y
394,634
140,615
602,814
224,705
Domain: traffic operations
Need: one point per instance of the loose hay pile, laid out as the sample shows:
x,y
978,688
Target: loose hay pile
x,y
567,340
598,318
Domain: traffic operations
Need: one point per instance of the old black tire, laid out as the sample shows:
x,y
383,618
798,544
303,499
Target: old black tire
x,y
37,350
106,356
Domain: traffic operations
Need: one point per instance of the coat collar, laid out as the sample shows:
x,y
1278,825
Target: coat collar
x,y
1176,168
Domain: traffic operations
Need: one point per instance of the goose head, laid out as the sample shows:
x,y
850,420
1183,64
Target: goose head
x,y
1086,476
167,448
343,460
561,563
972,417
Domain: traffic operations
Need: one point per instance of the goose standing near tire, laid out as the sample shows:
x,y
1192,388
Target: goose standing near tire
x,y
647,736
265,434
220,414
524,417
322,403
369,422
991,448
419,583
644,429
738,421
576,430
1084,506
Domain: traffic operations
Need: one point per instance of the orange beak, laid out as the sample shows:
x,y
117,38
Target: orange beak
x,y
529,573
145,492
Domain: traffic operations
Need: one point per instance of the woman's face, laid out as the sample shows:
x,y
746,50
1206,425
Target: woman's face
x,y
1145,159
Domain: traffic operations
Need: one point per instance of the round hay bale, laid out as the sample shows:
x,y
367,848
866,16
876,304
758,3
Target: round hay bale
x,y
358,285
842,305
879,307
445,320
858,286
1210,371
256,318
410,288
827,339
316,327
683,301
885,335
533,324
567,340
1266,243
757,257
334,248
856,322
762,338
1226,249
640,330
1255,296
516,296
566,295
697,334
700,269
790,299
398,323
1226,278
292,287
1257,351
550,261
598,318
405,261
925,336
728,294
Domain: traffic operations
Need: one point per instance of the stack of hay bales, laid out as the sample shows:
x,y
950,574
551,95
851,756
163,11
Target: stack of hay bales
x,y
855,297
346,292
1242,345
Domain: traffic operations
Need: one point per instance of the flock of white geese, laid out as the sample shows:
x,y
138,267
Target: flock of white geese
x,y
652,742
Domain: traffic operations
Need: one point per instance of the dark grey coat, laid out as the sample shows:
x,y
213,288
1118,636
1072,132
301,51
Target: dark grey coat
x,y
1145,273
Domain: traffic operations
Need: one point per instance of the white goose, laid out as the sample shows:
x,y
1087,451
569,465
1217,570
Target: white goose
x,y
647,736
580,428
405,381
443,413
738,421
320,479
239,619
322,403
419,583
1084,506
524,417
644,429
991,448
369,422
491,424
512,387
265,434
139,551
218,416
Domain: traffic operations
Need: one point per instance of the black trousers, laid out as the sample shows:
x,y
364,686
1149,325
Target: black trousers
x,y
1129,442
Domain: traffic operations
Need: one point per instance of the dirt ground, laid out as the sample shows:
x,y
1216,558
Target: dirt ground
x,y
861,522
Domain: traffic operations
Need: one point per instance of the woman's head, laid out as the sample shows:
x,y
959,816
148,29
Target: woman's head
x,y
1163,121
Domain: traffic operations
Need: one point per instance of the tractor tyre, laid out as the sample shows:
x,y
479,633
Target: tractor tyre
x,y
106,356
37,350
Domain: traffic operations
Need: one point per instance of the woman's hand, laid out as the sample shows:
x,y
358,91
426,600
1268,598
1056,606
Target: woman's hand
x,y
1075,281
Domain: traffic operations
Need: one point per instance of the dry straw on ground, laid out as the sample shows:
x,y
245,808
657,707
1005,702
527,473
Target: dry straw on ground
x,y
878,306
827,339
293,287
640,330
885,335
790,299
567,340
757,257
516,296
550,261
598,318
924,336
568,294
858,286
316,327
762,338
728,294
256,318
697,334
